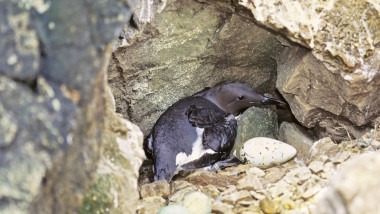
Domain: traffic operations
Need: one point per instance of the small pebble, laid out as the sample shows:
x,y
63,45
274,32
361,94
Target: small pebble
x,y
198,203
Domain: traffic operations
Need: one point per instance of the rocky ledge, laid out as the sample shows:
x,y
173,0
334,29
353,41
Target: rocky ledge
x,y
311,185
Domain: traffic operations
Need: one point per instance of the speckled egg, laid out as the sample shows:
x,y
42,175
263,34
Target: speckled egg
x,y
262,151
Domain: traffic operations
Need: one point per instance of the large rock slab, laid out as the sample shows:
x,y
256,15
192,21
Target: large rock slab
x,y
53,108
337,83
190,45
324,100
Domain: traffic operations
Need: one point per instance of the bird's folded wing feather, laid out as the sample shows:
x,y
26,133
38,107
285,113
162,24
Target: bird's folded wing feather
x,y
204,116
220,127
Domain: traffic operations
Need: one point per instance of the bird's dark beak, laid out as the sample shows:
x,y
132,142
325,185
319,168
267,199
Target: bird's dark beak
x,y
267,101
271,101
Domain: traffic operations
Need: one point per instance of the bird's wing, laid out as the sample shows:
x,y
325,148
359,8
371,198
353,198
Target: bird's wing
x,y
221,136
220,127
204,116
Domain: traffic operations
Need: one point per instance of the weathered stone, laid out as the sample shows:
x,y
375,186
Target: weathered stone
x,y
229,190
19,55
178,185
53,94
249,182
355,189
323,146
328,27
211,191
177,194
269,207
115,187
180,59
340,157
222,208
254,171
323,86
273,174
150,205
259,195
159,188
294,135
298,175
281,189
324,100
255,122
204,178
316,166
311,187
236,197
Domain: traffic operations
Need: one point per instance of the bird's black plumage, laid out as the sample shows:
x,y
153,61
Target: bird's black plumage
x,y
200,130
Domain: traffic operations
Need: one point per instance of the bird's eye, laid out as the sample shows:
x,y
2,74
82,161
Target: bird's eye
x,y
241,98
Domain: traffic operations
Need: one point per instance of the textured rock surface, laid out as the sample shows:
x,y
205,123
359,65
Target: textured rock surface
x,y
324,100
115,183
350,193
295,136
190,45
342,30
340,77
293,187
53,108
255,122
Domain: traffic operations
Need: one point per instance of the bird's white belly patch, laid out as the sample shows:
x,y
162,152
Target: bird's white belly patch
x,y
197,151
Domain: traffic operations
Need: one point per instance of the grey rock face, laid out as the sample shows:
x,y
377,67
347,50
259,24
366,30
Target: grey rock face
x,y
190,45
19,55
54,116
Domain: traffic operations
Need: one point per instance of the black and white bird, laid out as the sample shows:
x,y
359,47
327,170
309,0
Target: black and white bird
x,y
199,131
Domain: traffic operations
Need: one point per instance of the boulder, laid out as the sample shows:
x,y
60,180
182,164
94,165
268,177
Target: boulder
x,y
295,136
187,46
336,84
255,122
55,122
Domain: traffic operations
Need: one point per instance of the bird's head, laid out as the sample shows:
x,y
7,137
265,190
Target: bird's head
x,y
236,97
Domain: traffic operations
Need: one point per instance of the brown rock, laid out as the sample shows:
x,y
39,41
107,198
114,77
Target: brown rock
x,y
222,208
179,189
273,174
323,100
150,205
323,85
158,188
204,178
211,191
236,197
181,59
249,182
293,135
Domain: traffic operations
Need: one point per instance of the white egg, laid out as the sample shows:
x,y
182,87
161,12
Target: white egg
x,y
262,151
